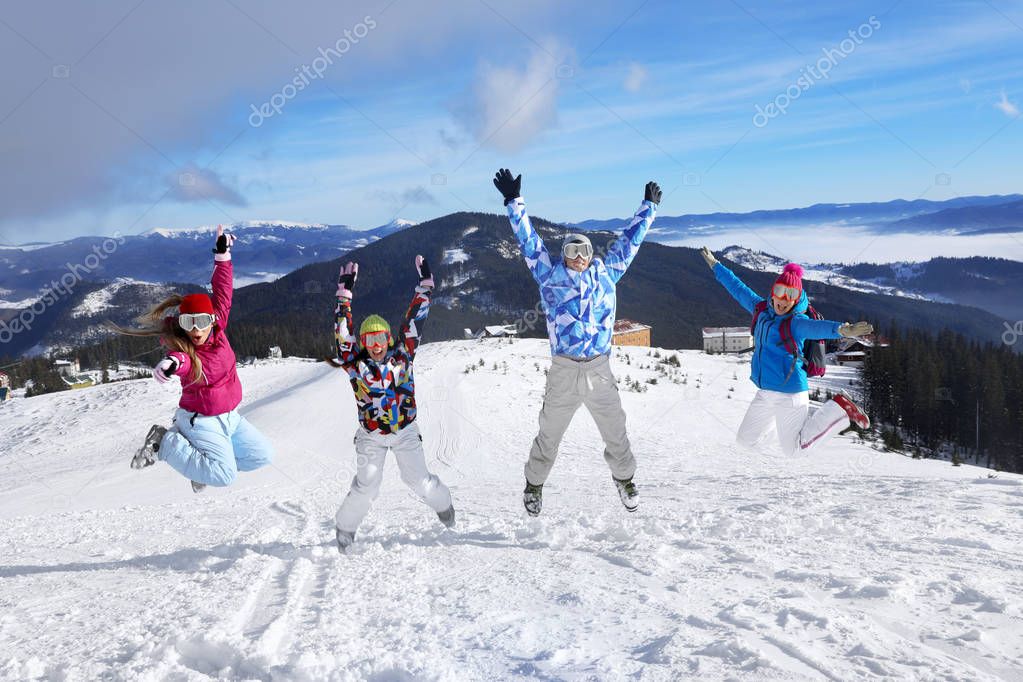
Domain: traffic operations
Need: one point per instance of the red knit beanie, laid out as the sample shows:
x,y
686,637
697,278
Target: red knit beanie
x,y
791,276
196,303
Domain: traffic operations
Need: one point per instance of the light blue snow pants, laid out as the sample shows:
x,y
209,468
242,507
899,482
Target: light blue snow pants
x,y
212,450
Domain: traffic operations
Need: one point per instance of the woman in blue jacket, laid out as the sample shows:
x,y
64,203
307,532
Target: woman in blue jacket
x,y
783,401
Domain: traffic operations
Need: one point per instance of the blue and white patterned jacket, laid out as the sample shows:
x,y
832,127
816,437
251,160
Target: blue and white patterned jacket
x,y
580,306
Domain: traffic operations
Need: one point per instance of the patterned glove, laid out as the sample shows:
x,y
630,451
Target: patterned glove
x,y
224,242
346,280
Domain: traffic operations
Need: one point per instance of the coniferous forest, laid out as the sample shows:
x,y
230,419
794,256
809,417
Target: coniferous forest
x,y
930,391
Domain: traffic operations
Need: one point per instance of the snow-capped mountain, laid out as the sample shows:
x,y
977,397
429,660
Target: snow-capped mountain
x,y
960,215
852,564
991,284
272,249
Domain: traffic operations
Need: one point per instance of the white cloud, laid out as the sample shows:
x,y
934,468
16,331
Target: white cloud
x,y
1006,107
192,183
412,195
636,78
509,107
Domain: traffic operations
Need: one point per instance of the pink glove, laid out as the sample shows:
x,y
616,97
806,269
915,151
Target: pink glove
x,y
165,370
346,280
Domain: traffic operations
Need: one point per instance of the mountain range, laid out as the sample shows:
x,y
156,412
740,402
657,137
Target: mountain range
x,y
962,215
272,249
481,281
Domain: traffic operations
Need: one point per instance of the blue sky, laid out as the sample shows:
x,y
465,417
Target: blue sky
x,y
138,115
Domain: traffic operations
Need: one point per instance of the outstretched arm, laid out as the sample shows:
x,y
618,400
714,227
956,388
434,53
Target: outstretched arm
x,y
538,260
345,343
223,276
410,334
745,296
624,249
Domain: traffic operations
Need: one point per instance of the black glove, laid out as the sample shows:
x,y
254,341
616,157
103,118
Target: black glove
x,y
509,187
425,276
224,240
653,192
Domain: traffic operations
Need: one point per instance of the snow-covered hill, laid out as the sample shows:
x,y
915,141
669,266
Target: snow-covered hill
x,y
852,564
829,274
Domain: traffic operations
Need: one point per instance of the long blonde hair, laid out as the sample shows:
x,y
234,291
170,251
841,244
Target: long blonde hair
x,y
156,322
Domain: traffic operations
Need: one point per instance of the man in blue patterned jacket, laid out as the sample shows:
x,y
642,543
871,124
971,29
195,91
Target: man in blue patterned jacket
x,y
578,295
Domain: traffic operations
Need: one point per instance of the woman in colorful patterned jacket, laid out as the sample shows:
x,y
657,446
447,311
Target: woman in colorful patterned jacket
x,y
379,367
209,441
578,295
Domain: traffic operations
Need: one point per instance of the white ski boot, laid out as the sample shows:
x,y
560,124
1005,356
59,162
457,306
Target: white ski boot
x,y
447,517
146,456
344,540
532,498
627,491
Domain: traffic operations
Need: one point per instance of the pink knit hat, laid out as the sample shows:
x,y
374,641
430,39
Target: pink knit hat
x,y
791,276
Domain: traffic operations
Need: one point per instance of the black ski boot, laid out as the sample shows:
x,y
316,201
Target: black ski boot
x,y
447,517
532,498
344,540
627,491
146,456
198,487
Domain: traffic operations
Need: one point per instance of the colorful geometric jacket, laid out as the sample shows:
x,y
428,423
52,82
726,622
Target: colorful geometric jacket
x,y
385,391
580,306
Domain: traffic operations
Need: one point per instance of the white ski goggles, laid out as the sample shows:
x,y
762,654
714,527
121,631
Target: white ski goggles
x,y
190,321
574,250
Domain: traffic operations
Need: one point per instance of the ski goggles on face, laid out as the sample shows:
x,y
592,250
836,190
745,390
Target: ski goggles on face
x,y
190,321
374,339
784,293
574,250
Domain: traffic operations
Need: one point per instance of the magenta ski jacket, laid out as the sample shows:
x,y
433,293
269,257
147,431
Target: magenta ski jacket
x,y
218,389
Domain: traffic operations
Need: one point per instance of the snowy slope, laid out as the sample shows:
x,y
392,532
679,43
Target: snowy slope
x,y
854,564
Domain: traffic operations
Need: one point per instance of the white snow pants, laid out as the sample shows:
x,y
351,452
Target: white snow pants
x,y
798,431
570,384
370,451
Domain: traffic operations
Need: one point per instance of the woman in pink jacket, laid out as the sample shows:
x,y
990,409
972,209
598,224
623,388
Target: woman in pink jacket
x,y
209,441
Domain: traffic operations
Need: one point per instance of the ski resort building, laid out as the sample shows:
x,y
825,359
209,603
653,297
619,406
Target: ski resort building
x,y
630,333
854,352
496,331
727,339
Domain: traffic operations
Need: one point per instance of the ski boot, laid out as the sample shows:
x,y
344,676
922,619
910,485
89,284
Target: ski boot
x,y
447,517
345,539
198,487
146,456
856,415
532,498
627,491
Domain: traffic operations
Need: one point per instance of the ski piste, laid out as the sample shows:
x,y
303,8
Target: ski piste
x,y
850,564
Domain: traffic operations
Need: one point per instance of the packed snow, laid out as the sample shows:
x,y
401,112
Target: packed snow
x,y
852,564
456,255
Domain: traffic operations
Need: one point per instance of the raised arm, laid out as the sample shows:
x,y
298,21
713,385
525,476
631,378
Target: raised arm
x,y
745,296
345,343
222,280
410,334
624,249
538,260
